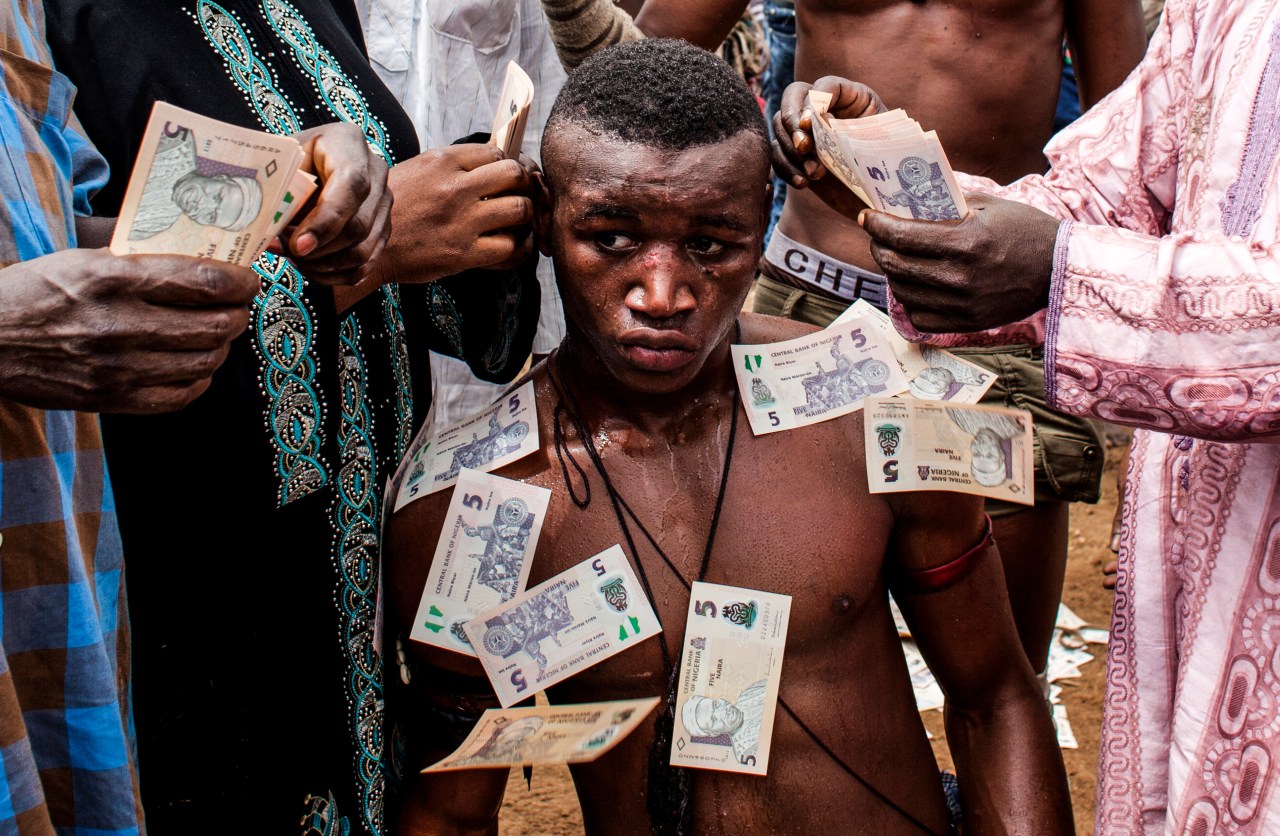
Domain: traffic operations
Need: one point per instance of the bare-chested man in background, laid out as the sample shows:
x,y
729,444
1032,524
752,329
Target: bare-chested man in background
x,y
985,76
657,172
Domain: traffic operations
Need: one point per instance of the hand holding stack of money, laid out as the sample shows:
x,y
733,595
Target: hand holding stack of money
x,y
888,162
203,187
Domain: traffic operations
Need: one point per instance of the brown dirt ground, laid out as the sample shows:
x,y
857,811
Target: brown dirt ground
x,y
550,808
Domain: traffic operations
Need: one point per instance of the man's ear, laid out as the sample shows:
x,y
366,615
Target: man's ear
x,y
543,206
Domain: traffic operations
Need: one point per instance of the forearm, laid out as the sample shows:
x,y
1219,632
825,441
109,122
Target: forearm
x,y
581,28
346,296
705,23
1010,768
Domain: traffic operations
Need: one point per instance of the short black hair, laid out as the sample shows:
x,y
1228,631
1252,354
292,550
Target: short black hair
x,y
659,92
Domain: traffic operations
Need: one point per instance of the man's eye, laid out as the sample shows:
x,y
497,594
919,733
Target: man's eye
x,y
706,246
614,241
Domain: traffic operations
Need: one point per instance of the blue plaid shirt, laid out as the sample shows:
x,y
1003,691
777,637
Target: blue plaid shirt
x,y
66,751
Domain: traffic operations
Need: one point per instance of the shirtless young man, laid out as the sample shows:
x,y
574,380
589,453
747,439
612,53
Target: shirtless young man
x,y
985,76
657,175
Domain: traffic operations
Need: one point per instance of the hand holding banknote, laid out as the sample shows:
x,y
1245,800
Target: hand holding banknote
x,y
990,269
795,154
342,235
458,208
87,330
208,188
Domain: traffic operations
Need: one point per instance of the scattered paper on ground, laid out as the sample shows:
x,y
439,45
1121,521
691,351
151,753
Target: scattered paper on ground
x,y
1067,653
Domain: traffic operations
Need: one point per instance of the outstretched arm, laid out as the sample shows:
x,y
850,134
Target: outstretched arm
x,y
998,727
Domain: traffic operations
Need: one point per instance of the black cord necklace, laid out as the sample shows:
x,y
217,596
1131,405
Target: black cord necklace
x,y
670,790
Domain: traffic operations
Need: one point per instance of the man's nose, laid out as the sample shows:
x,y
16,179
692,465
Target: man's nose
x,y
662,289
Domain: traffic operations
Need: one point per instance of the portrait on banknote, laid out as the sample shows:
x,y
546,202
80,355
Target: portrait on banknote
x,y
991,451
944,377
715,721
183,187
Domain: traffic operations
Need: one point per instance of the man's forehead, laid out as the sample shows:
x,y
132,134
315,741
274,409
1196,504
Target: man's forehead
x,y
576,157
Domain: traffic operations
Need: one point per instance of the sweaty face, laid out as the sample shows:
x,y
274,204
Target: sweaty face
x,y
654,250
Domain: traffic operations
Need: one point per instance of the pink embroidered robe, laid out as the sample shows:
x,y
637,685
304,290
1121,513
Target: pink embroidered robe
x,y
1165,315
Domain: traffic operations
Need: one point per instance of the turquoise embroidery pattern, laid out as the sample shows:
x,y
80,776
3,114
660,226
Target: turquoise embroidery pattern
x,y
357,521
446,317
284,325
250,75
284,334
400,365
333,85
322,819
344,101
355,510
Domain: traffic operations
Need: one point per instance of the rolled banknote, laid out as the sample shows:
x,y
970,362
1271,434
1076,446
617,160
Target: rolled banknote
x,y
888,162
546,734
501,434
483,558
203,187
816,377
511,114
934,446
580,617
729,674
932,374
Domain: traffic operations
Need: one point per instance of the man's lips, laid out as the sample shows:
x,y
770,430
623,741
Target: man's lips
x,y
656,350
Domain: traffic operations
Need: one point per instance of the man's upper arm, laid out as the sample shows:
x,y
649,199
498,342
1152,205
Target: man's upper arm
x,y
964,629
705,23
1107,40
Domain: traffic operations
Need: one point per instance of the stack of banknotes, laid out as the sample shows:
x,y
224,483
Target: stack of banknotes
x,y
888,162
511,114
203,187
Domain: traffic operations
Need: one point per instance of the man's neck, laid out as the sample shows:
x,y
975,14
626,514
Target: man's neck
x,y
678,417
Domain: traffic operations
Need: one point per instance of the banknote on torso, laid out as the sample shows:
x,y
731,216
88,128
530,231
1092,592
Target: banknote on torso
x,y
546,734
816,377
914,445
580,617
501,434
203,187
731,663
932,374
483,557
